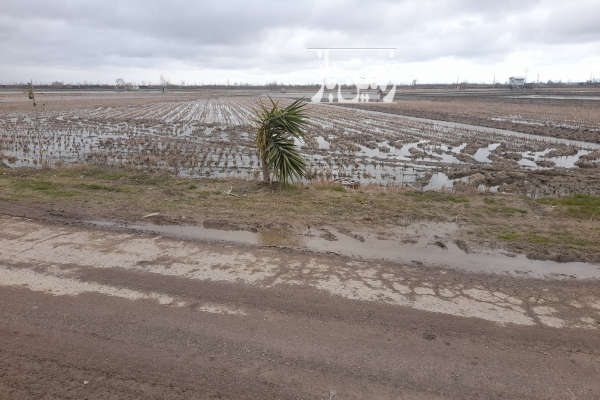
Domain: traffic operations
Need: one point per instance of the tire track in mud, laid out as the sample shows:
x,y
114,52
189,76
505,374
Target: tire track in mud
x,y
57,254
98,314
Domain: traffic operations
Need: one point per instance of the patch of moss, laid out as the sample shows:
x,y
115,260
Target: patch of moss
x,y
509,236
577,205
335,188
93,186
149,179
537,238
570,239
512,210
46,188
102,173
36,185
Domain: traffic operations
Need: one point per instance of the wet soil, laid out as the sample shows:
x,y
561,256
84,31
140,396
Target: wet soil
x,y
96,314
330,292
534,184
507,111
209,135
543,228
418,244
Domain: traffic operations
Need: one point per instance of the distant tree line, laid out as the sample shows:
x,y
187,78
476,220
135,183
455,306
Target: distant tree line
x,y
285,87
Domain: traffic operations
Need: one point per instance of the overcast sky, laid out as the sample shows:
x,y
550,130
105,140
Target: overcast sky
x,y
260,41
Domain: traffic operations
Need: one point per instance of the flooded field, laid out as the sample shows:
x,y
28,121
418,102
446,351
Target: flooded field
x,y
203,135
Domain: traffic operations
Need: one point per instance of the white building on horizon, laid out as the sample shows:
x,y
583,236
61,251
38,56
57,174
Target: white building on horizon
x,y
516,81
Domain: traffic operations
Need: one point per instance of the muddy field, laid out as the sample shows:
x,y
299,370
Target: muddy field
x,y
96,314
565,113
208,134
131,269
398,224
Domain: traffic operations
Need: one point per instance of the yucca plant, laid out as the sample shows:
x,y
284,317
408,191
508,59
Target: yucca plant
x,y
276,129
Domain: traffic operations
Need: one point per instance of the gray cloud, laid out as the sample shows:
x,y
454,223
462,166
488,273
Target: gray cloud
x,y
100,38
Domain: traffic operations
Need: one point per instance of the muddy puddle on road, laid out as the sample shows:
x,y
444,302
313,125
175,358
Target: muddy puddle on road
x,y
418,244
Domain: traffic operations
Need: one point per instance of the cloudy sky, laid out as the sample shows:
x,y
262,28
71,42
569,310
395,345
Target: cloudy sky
x,y
260,41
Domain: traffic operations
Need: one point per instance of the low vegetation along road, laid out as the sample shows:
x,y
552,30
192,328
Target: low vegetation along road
x,y
98,314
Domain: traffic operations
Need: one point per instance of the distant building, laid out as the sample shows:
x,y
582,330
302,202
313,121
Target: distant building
x,y
516,81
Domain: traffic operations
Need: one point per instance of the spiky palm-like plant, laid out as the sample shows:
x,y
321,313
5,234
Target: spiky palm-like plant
x,y
276,129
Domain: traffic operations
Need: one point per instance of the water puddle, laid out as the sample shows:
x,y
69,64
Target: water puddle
x,y
568,161
322,143
421,243
516,120
486,188
482,155
439,181
530,159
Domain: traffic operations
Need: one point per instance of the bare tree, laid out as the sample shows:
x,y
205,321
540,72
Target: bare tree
x,y
36,122
164,83
31,93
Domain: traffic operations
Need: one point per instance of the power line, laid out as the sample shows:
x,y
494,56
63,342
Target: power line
x,y
351,48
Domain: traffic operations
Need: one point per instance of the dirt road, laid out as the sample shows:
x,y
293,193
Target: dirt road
x,y
98,314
